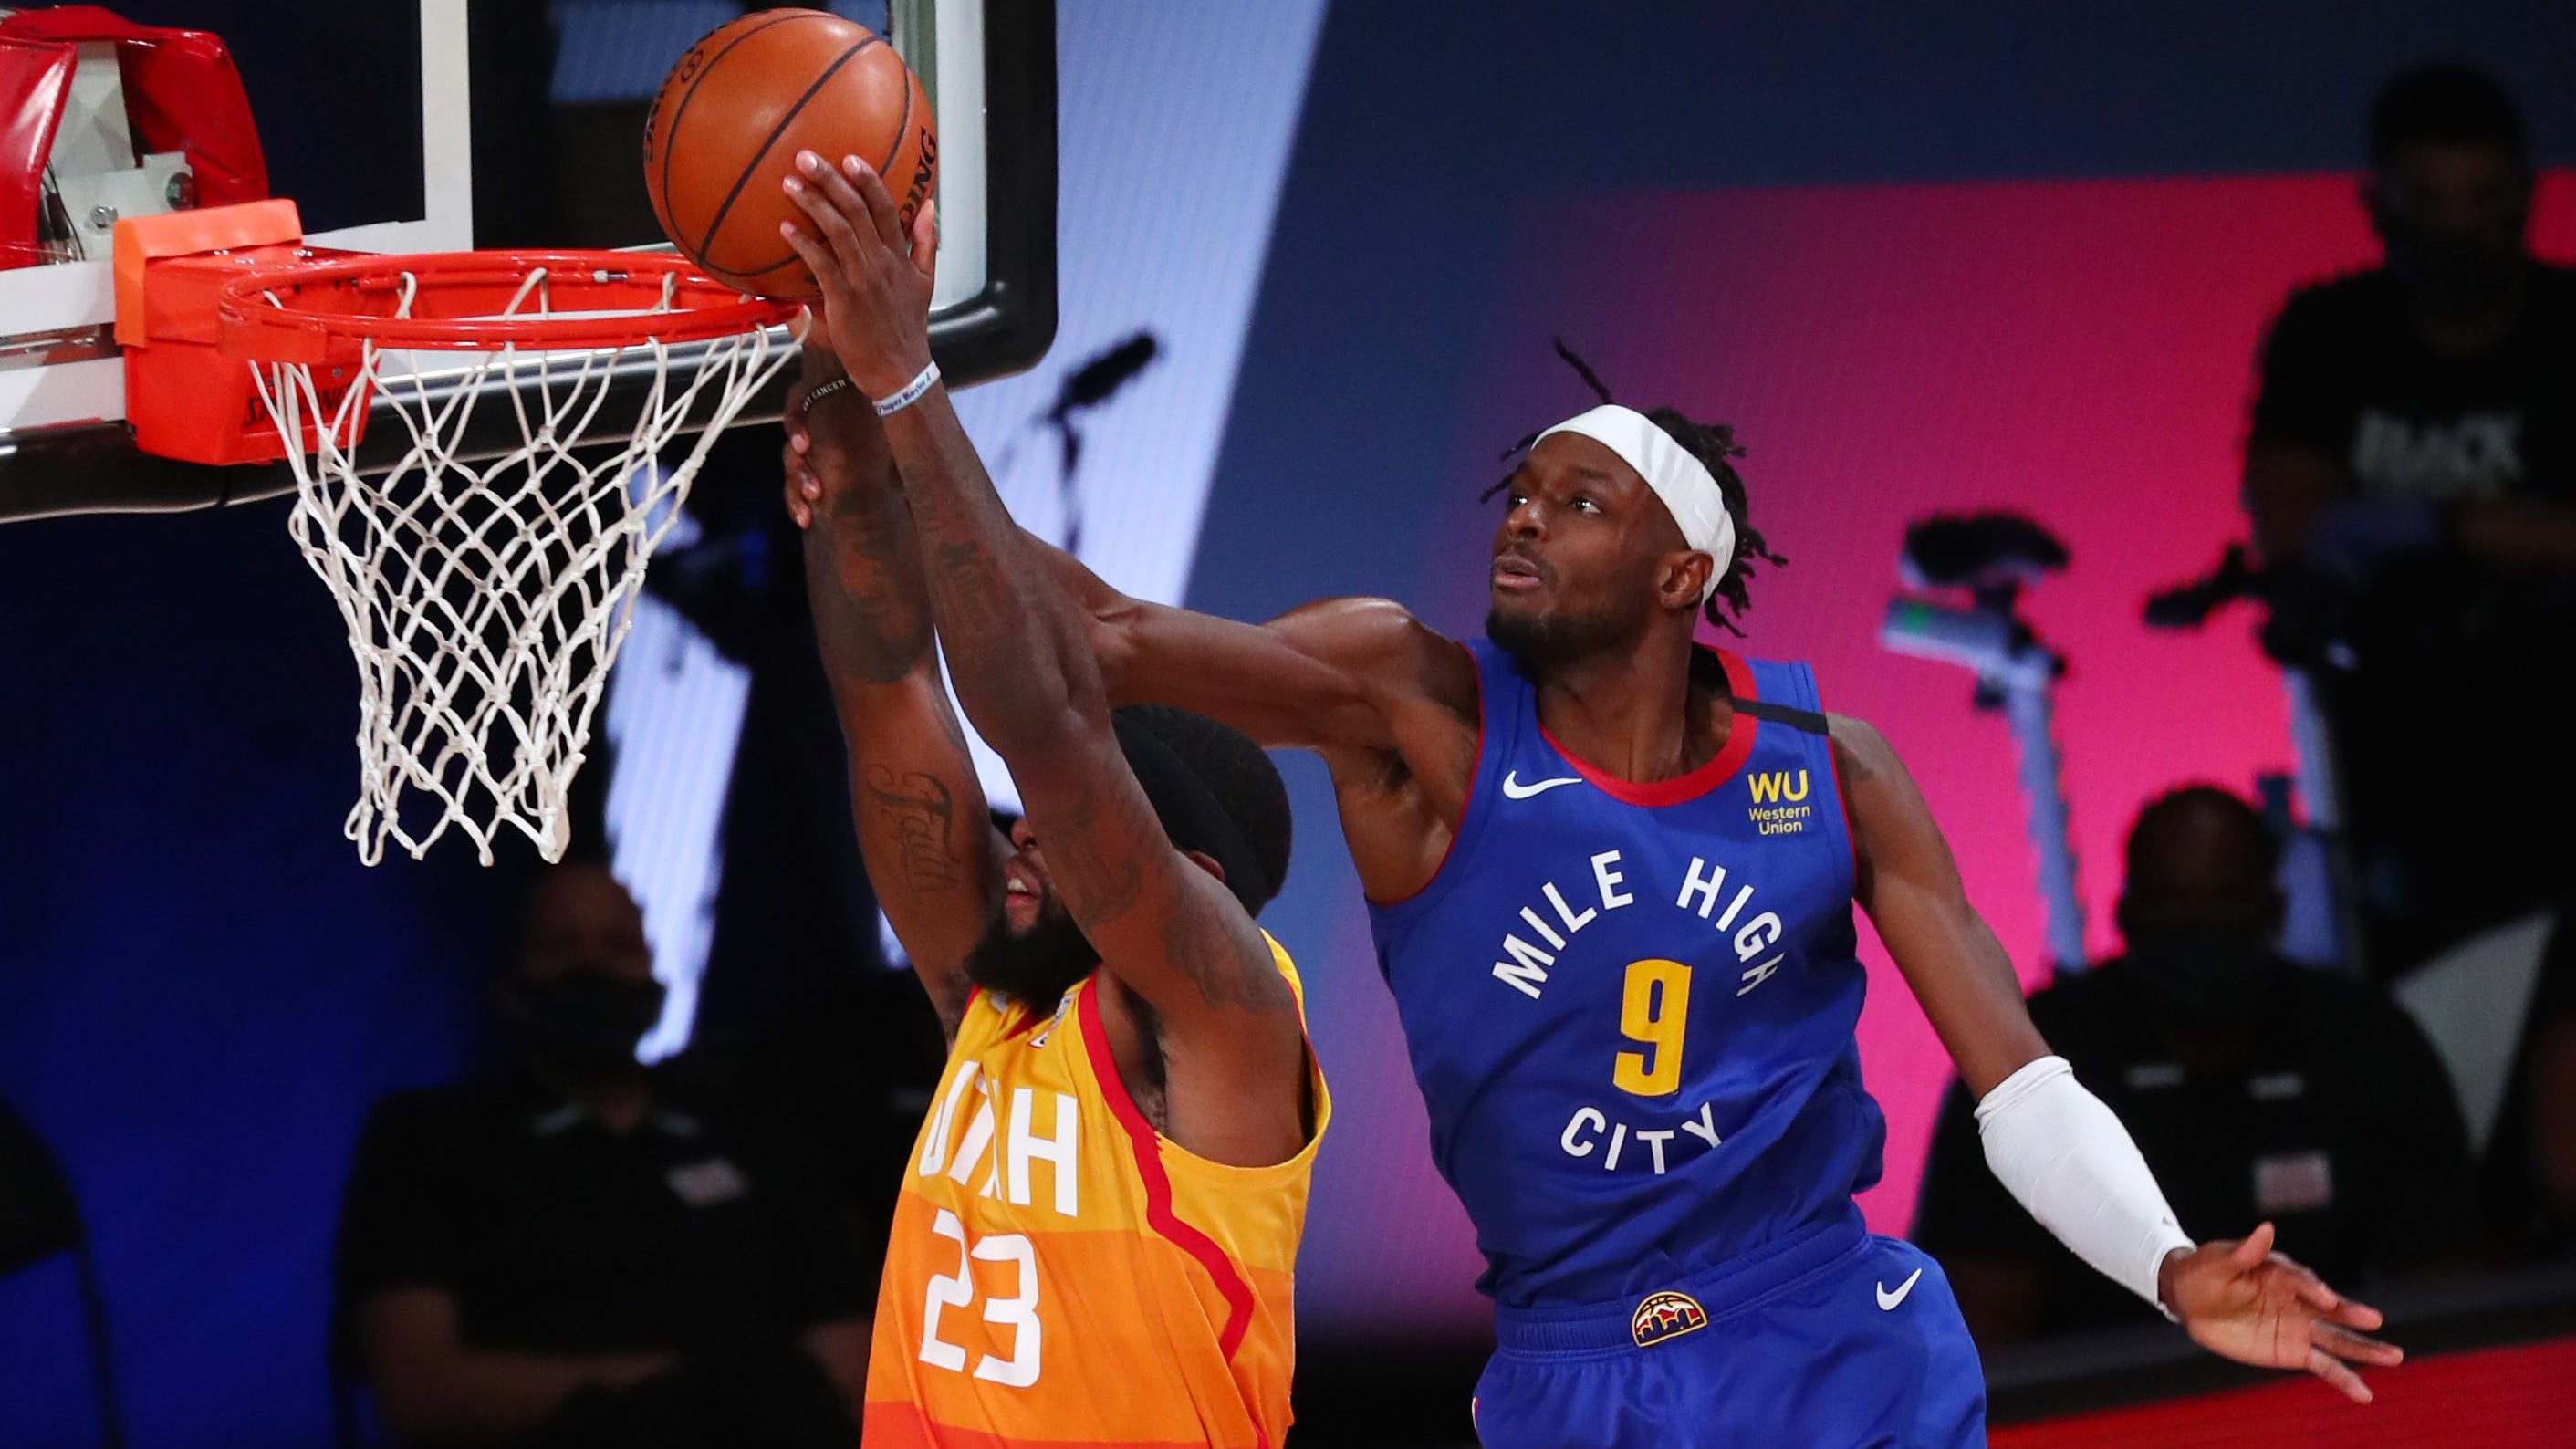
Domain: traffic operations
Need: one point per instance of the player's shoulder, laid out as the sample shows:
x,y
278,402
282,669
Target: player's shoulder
x,y
1859,749
1785,690
1384,641
1364,625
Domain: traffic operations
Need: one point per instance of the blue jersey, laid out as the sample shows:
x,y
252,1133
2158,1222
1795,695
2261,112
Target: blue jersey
x,y
1630,1007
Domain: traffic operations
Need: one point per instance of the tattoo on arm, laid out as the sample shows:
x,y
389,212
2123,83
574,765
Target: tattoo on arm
x,y
1021,655
974,581
869,602
1016,651
1105,883
921,809
929,851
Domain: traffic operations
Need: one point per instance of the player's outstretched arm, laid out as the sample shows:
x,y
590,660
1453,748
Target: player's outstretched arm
x,y
1354,674
2063,1155
1021,658
1389,703
1336,674
924,831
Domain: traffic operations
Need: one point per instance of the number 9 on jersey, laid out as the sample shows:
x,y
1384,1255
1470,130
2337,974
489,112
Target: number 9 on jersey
x,y
1654,1009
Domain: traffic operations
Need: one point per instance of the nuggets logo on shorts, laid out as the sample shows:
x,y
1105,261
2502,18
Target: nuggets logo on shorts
x,y
1665,1315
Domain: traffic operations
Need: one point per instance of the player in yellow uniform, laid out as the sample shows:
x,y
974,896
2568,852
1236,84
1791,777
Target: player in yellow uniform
x,y
1098,1227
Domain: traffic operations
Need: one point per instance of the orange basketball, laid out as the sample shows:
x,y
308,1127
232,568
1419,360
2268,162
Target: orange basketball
x,y
734,112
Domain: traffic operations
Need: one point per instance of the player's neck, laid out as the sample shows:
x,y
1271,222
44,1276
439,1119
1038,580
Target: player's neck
x,y
1630,713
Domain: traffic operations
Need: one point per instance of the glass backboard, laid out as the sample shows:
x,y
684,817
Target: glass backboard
x,y
432,125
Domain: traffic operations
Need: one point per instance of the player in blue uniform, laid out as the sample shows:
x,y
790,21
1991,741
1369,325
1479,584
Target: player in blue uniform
x,y
1611,874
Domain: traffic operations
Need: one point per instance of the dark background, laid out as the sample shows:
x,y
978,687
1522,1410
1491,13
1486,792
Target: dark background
x,y
200,989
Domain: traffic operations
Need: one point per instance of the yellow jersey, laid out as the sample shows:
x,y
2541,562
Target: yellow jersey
x,y
1059,1273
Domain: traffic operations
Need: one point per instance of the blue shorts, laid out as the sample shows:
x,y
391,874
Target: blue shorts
x,y
1828,1339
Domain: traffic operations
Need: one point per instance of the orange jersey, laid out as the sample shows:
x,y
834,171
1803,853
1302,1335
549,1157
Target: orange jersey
x,y
1059,1273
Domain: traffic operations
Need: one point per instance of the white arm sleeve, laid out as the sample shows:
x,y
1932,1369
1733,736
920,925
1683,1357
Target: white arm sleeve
x,y
2068,1161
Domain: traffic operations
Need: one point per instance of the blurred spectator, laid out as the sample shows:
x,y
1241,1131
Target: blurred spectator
x,y
565,1256
2256,1088
2412,462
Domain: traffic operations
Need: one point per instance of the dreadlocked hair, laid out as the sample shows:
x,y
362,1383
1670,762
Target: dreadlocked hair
x,y
1714,445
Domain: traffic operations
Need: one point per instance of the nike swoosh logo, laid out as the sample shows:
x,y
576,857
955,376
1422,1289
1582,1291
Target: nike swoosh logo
x,y
1513,788
1887,1300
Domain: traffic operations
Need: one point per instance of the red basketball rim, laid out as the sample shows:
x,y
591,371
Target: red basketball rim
x,y
312,310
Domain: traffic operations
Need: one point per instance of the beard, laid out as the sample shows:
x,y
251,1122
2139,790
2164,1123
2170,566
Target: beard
x,y
1540,644
1033,967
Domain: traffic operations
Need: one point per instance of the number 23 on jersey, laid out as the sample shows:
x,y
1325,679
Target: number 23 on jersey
x,y
1016,1312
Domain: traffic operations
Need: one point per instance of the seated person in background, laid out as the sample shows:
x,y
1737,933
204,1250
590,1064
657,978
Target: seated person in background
x,y
2411,470
563,1257
2258,1090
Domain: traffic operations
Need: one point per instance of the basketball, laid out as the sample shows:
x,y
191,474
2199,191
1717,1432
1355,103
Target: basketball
x,y
731,116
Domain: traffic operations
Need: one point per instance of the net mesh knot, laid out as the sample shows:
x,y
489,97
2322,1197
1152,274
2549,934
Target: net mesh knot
x,y
486,598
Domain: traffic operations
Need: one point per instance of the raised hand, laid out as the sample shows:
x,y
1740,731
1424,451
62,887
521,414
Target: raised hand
x,y
804,483
2257,1307
876,280
834,443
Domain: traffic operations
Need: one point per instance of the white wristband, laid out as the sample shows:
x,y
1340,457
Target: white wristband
x,y
2067,1160
910,393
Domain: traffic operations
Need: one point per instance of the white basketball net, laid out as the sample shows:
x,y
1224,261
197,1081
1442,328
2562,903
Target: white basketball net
x,y
486,600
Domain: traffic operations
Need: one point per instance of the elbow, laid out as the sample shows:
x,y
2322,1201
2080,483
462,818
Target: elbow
x,y
1025,702
1112,633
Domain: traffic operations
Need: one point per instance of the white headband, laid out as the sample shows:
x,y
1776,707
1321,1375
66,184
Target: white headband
x,y
1683,482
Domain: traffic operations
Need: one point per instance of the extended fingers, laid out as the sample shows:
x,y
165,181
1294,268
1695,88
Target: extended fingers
x,y
835,212
925,240
802,486
817,256
800,507
2334,1371
2311,1289
2250,1251
847,199
791,415
866,189
2357,1315
2343,1343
